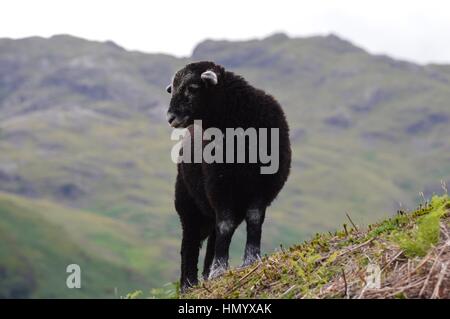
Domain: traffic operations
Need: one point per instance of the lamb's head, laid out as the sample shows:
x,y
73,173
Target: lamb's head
x,y
191,89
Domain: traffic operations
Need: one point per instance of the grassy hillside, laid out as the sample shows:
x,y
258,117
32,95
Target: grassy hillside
x,y
39,239
82,125
412,251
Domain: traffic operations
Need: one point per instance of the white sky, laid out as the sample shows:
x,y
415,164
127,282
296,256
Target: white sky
x,y
409,29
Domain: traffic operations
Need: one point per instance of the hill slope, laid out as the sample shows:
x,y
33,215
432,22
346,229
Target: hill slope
x,y
411,251
40,239
82,125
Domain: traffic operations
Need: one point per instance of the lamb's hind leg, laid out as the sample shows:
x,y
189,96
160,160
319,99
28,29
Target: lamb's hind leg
x,y
226,224
254,218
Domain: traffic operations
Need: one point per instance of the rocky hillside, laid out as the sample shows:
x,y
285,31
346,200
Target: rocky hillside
x,y
82,127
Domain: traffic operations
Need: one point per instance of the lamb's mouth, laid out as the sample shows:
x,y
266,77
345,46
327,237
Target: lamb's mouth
x,y
176,122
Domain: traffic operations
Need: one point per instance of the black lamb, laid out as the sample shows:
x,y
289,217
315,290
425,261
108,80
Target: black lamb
x,y
212,199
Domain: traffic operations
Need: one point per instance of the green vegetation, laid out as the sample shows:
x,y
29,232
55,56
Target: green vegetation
x,y
40,239
335,265
418,241
83,126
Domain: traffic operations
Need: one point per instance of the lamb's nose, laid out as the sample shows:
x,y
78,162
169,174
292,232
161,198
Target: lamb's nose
x,y
170,117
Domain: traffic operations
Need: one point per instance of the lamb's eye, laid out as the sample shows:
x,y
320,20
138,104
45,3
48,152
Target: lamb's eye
x,y
193,88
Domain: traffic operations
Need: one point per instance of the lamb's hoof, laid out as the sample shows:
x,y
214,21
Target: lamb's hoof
x,y
246,264
184,289
188,285
248,261
217,271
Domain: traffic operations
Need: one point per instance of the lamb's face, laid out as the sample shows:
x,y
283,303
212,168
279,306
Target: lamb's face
x,y
189,90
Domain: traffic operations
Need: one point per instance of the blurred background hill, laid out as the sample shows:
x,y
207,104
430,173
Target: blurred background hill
x,y
85,169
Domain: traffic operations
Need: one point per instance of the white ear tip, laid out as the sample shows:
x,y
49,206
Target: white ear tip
x,y
209,76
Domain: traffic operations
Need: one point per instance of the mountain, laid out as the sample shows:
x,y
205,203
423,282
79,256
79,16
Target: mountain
x,y
82,127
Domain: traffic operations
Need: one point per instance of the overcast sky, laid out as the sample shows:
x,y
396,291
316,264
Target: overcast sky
x,y
409,29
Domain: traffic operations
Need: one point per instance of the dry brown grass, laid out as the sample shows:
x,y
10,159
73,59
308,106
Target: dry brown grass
x,y
402,277
335,265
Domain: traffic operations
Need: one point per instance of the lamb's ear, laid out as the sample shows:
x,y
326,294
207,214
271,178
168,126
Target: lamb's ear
x,y
209,77
169,88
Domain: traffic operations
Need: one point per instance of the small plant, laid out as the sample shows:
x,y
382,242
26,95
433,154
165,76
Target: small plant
x,y
443,185
134,295
418,241
170,290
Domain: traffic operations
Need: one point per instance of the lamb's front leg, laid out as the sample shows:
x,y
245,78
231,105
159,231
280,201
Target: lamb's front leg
x,y
209,255
254,218
225,227
190,248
